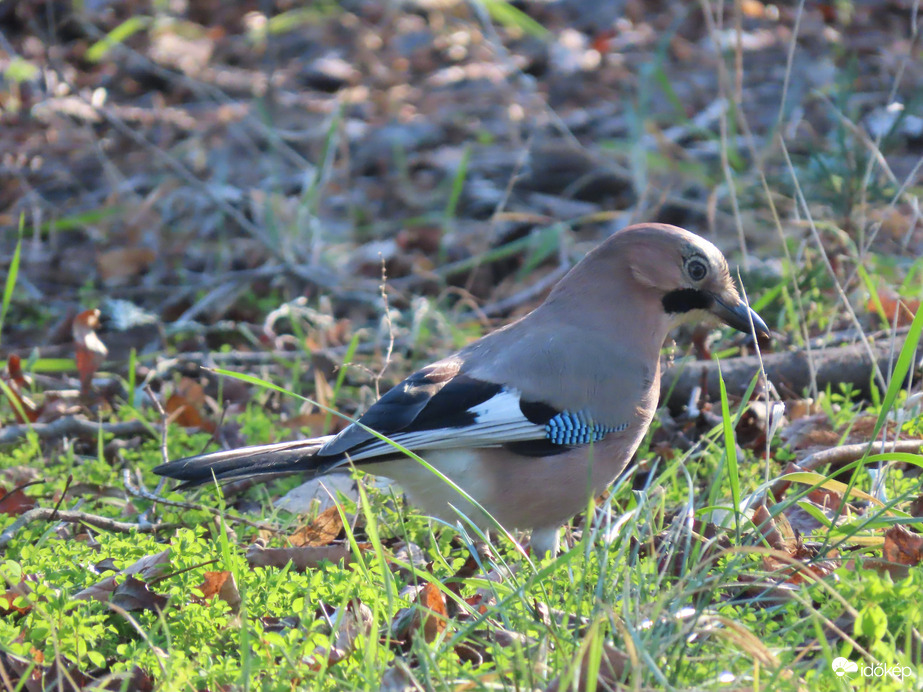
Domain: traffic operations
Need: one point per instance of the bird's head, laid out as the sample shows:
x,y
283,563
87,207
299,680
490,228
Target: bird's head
x,y
686,273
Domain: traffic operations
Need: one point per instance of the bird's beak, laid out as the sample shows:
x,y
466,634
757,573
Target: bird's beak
x,y
739,315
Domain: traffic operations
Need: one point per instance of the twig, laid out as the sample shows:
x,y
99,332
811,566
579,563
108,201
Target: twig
x,y
384,299
222,293
67,485
70,516
71,425
832,366
178,572
164,456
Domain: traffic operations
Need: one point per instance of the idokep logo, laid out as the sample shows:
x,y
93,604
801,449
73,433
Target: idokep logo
x,y
843,667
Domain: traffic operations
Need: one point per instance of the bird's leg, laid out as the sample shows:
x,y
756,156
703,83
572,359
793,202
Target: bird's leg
x,y
544,542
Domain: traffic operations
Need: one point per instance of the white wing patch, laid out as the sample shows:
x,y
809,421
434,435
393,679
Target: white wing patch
x,y
497,421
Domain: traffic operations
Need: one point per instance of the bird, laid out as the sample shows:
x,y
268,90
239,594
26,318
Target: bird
x,y
534,419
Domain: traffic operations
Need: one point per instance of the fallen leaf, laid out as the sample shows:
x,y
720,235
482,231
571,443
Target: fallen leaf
x,y
767,526
117,266
319,494
185,414
24,409
148,567
304,558
903,546
14,369
90,351
431,614
916,507
322,531
15,503
398,678
21,590
896,309
222,585
133,594
829,500
312,422
185,405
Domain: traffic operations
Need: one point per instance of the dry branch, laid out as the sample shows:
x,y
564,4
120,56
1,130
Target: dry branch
x,y
74,517
76,427
788,371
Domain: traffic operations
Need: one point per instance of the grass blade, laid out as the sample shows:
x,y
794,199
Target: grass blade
x,y
11,278
730,447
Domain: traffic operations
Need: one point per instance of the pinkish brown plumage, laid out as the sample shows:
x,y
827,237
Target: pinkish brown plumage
x,y
536,418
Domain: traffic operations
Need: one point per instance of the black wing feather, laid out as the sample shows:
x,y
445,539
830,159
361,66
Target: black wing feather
x,y
435,397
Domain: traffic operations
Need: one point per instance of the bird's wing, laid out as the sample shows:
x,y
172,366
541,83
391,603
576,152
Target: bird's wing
x,y
441,407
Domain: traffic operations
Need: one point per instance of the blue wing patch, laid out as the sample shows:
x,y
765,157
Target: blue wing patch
x,y
578,428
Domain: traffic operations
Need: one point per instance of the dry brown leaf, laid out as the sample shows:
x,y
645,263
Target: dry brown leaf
x,y
304,558
222,585
133,594
117,266
192,390
829,500
14,369
322,531
148,567
314,422
766,525
916,507
796,409
432,614
90,351
183,412
185,406
901,310
15,503
23,588
782,537
27,410
903,546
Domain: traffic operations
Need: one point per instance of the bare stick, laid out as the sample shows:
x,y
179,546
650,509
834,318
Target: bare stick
x,y
384,299
67,485
70,516
71,425
164,457
832,366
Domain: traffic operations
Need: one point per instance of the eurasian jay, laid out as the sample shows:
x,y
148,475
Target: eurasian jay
x,y
536,418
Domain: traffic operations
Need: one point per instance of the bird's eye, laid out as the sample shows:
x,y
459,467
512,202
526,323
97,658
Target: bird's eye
x,y
697,269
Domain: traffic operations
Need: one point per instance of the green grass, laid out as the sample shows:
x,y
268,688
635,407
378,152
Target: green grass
x,y
10,283
648,584
688,611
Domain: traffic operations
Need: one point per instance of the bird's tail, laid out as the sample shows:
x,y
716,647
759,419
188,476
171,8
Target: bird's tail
x,y
281,457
